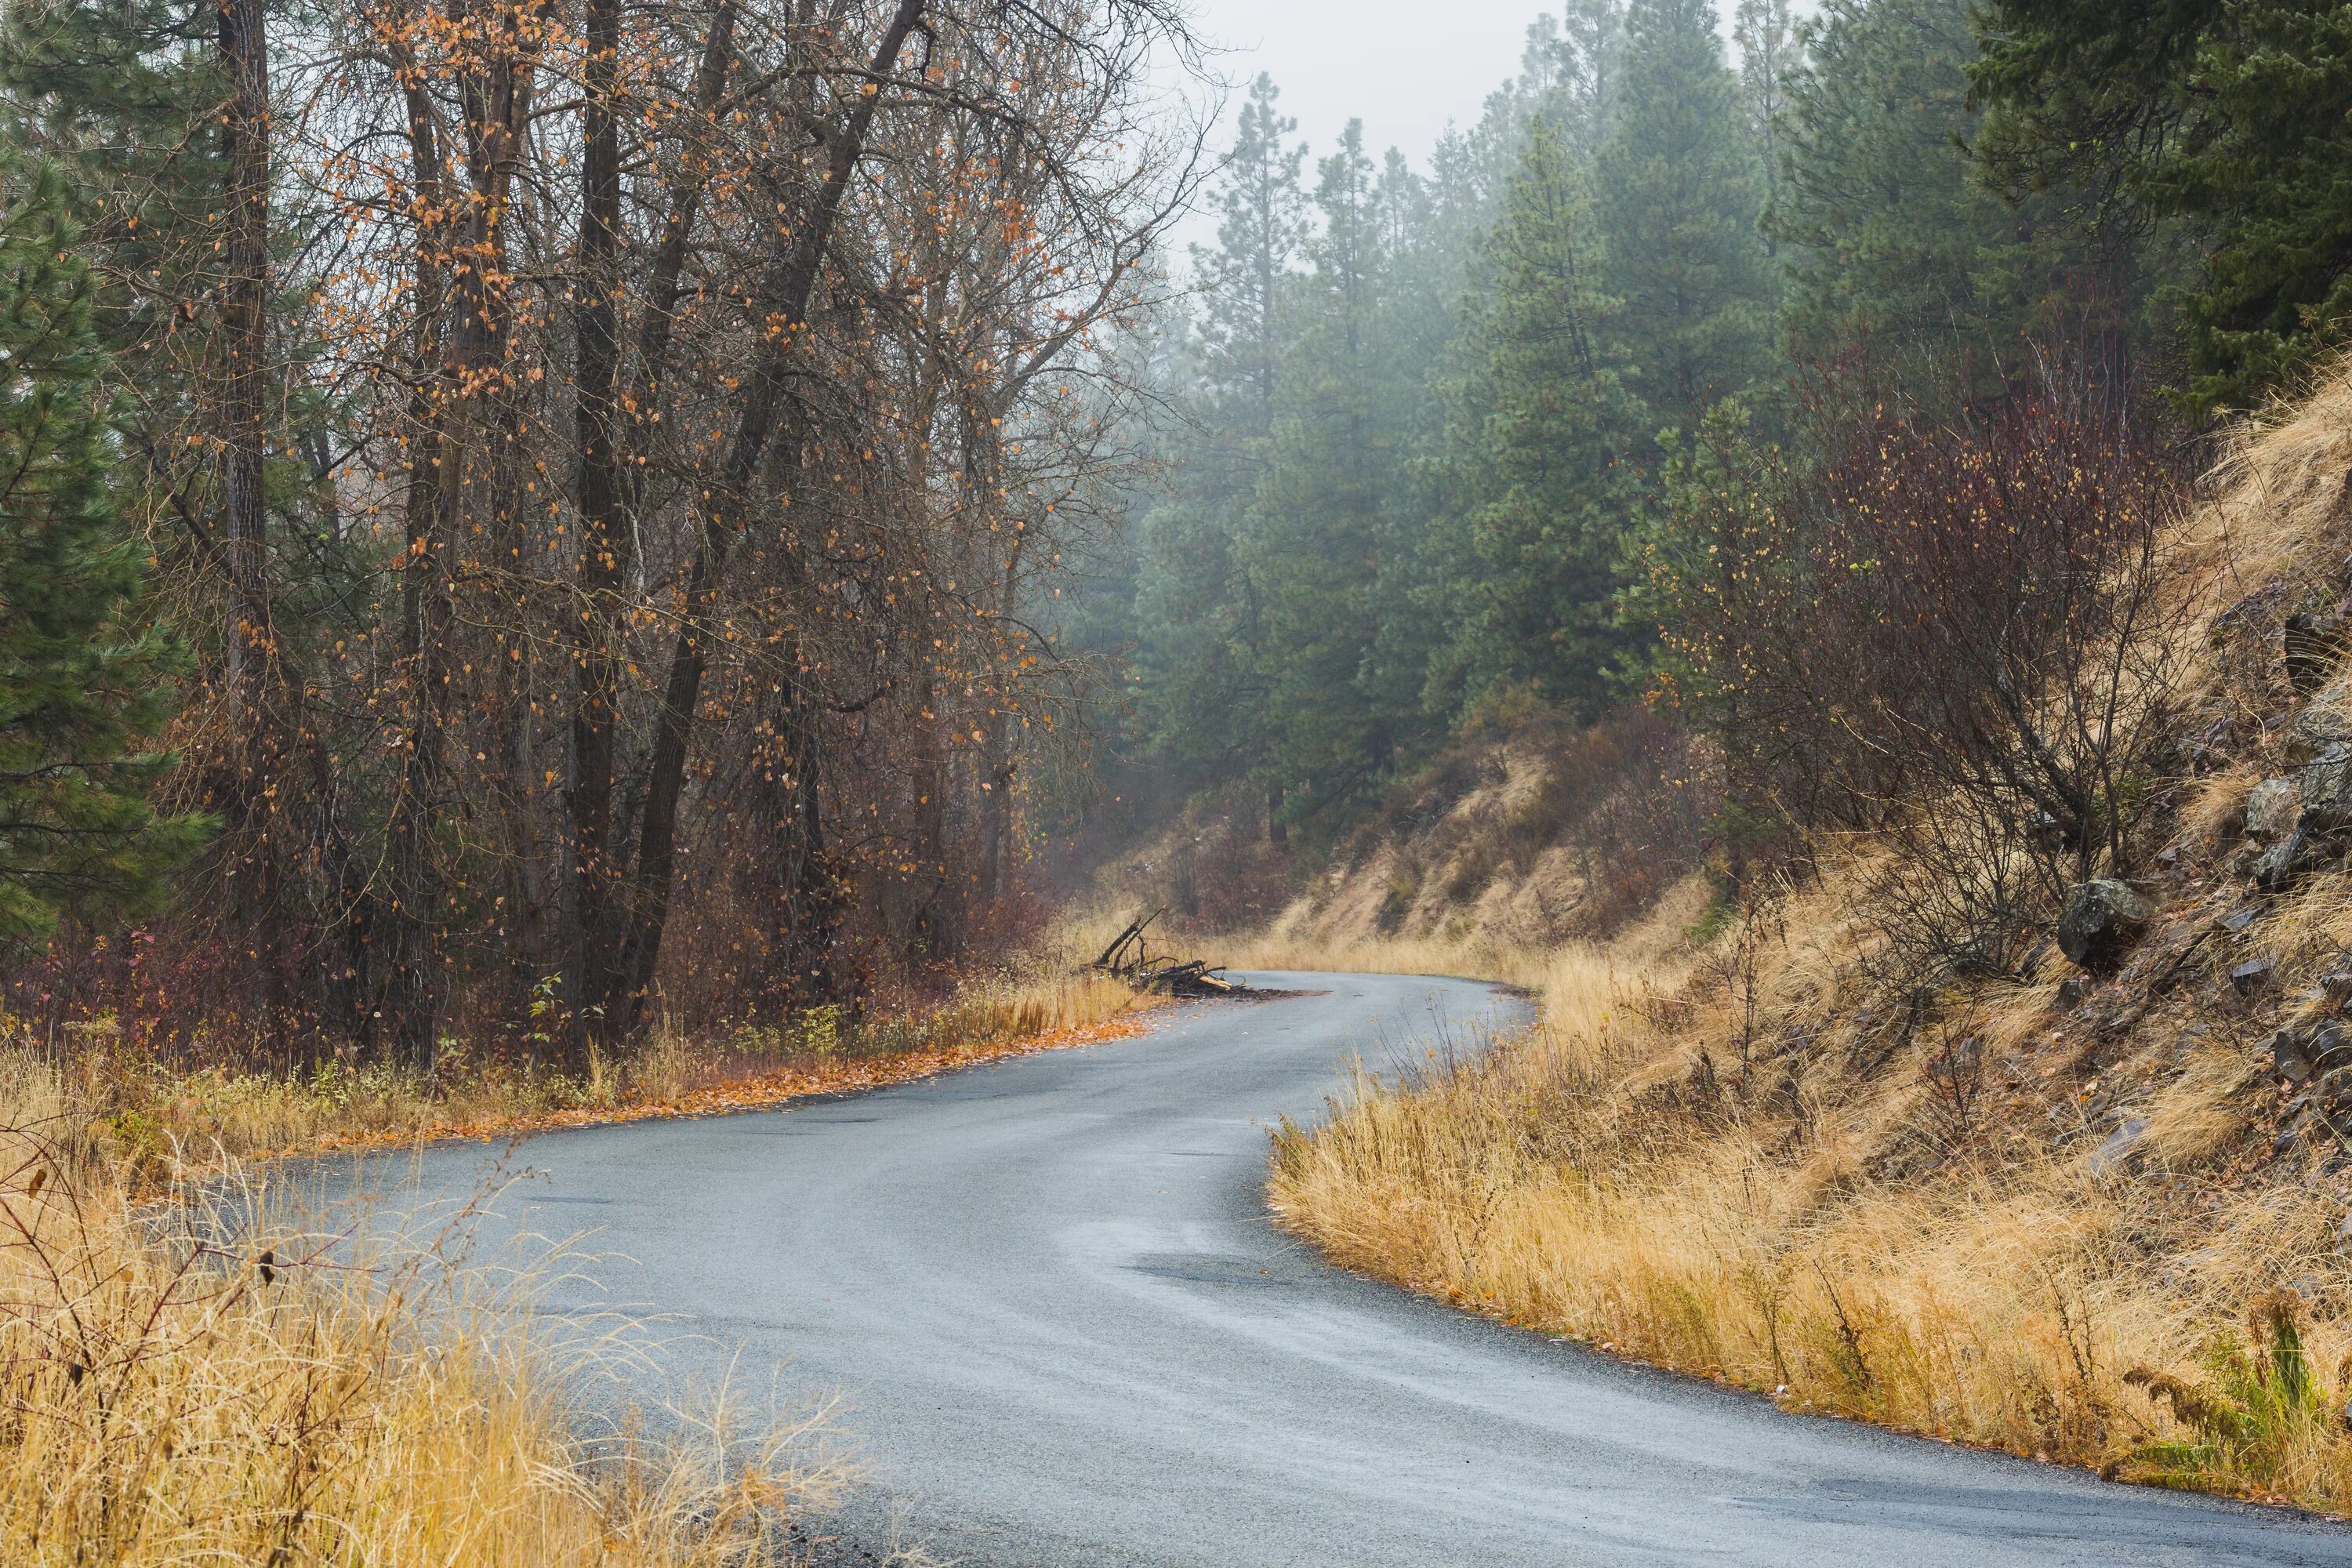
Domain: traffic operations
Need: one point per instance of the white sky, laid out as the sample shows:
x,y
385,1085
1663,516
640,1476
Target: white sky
x,y
1404,70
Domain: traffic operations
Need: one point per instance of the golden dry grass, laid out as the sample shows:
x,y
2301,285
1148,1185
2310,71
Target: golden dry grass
x,y
150,1118
1878,1245
1730,1155
177,1391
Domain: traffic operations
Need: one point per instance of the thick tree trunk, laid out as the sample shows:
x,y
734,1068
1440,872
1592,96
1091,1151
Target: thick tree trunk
x,y
608,491
412,966
245,136
600,570
674,723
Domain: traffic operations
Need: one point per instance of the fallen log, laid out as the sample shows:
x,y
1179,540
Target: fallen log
x,y
1164,975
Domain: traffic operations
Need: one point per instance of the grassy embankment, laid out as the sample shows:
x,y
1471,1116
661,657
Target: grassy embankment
x,y
177,1395
1994,1213
156,1118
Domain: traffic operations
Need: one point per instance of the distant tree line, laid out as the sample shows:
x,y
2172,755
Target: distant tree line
x,y
1548,417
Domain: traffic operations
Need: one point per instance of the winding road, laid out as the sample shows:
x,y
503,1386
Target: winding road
x,y
1065,1334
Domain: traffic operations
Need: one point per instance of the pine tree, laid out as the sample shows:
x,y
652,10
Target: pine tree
x,y
1262,225
1320,521
1200,631
84,684
1679,193
1546,433
1771,51
1883,233
2232,116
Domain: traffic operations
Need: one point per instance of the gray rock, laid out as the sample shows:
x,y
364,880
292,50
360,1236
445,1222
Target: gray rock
x,y
2290,1055
2326,786
2335,981
2276,866
2331,1048
2251,975
2325,721
2111,1157
2101,920
2274,809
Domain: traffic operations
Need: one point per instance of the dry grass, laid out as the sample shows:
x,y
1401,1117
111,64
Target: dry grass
x,y
179,1391
148,1118
1652,947
1743,1224
1758,1155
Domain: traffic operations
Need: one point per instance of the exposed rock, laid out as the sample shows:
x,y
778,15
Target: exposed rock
x,y
2335,981
2251,975
2101,920
2276,866
2325,787
2112,1156
2314,642
2240,919
2290,1055
2274,809
2325,721
2071,992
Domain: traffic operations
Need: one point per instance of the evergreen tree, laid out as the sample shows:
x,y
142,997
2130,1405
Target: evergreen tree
x,y
2232,116
1771,51
1679,193
1198,660
1320,521
1885,239
83,684
1545,436
1262,225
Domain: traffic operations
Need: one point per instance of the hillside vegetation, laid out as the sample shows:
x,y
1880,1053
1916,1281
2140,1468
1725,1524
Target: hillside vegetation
x,y
2096,1212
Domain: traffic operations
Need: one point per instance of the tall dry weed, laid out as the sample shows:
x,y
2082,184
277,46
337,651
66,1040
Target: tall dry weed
x,y
184,1385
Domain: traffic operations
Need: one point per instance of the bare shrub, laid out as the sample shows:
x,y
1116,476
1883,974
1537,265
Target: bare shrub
x,y
1970,629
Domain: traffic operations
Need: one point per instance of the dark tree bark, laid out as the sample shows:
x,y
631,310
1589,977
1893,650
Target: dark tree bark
x,y
244,136
609,493
788,302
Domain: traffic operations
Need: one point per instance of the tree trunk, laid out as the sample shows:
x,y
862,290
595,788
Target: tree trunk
x,y
411,968
600,571
609,492
245,137
649,892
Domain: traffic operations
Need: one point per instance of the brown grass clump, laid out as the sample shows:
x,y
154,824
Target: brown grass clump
x,y
181,1391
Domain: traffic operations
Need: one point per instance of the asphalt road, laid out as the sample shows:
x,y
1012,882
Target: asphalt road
x,y
1065,1334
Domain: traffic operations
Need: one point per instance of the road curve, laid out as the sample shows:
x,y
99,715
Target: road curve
x,y
1067,1334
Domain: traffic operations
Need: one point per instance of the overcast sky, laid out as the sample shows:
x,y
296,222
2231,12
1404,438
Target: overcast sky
x,y
1404,69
